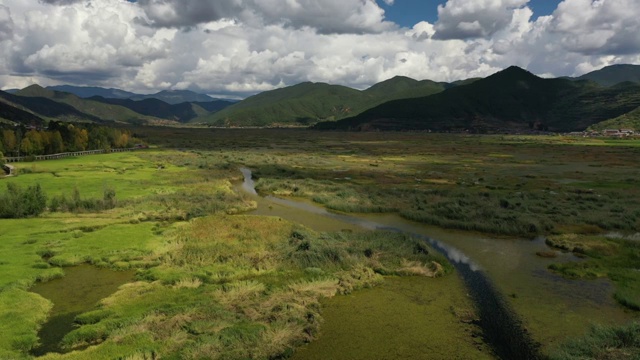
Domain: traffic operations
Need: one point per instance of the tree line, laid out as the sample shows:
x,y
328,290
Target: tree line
x,y
61,137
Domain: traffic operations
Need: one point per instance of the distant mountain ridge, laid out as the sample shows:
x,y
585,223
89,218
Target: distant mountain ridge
x,y
172,97
512,99
182,112
45,108
308,103
91,91
614,74
96,111
15,115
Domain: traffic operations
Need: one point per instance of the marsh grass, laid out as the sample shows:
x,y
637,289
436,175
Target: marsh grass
x,y
217,286
97,228
487,209
22,313
613,258
245,287
606,343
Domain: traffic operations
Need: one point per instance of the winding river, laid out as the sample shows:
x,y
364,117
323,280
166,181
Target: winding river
x,y
524,309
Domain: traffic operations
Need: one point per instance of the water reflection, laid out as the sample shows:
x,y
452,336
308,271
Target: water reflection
x,y
453,254
554,308
248,184
501,327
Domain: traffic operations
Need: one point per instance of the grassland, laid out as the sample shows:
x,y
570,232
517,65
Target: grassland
x,y
503,185
524,186
208,284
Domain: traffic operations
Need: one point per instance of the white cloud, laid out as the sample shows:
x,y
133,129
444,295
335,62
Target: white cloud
x,y
6,23
598,27
464,19
327,16
93,41
239,47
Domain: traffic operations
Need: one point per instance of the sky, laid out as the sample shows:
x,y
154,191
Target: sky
x,y
236,48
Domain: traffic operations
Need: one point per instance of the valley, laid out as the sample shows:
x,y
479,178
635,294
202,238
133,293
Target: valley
x,y
306,179
220,272
511,101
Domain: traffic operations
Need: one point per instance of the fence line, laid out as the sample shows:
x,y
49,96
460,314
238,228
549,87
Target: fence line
x,y
65,155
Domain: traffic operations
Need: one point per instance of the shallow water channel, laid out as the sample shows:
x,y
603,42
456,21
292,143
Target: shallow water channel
x,y
78,291
520,302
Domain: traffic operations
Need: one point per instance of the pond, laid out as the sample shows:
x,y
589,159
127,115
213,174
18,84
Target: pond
x,y
78,291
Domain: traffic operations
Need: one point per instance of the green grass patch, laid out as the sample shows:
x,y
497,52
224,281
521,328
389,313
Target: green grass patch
x,y
613,258
22,314
250,287
619,343
210,285
242,287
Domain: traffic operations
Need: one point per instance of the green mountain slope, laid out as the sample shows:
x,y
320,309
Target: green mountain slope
x,y
301,104
175,97
98,110
511,99
401,87
15,115
614,74
182,112
45,108
172,97
91,91
630,120
308,103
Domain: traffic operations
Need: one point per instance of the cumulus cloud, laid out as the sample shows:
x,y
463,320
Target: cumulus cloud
x,y
60,2
6,23
176,13
327,16
84,41
598,27
463,19
240,47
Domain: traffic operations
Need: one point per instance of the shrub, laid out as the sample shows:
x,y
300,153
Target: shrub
x,y
18,203
77,204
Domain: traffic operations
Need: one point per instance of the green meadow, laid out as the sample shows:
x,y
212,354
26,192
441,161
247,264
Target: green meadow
x,y
211,282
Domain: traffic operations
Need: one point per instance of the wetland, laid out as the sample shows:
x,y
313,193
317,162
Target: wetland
x,y
350,238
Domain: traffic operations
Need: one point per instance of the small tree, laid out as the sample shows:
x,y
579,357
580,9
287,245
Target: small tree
x,y
109,198
34,200
18,203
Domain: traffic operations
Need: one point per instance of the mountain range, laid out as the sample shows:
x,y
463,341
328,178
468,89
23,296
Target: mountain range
x,y
510,100
172,97
513,99
43,104
307,103
612,75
